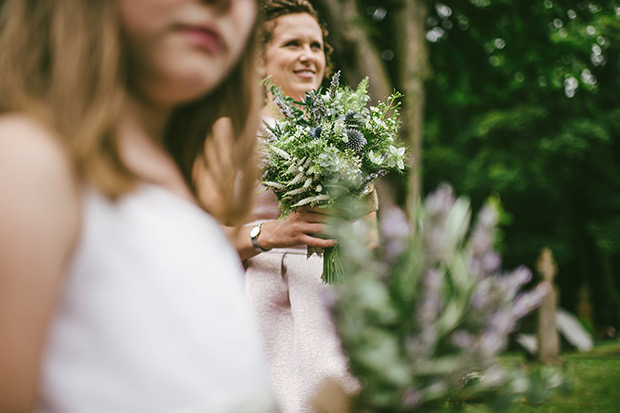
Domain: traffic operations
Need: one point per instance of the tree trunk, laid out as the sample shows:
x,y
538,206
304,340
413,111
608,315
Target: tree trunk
x,y
354,51
357,56
412,55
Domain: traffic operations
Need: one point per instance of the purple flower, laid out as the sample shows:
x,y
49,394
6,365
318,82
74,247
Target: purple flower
x,y
492,343
335,82
286,111
526,302
491,262
514,281
487,217
412,398
482,240
479,298
502,322
520,276
422,345
440,201
453,307
395,231
432,299
462,339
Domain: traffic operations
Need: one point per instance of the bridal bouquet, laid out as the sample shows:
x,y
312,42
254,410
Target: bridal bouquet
x,y
424,318
328,145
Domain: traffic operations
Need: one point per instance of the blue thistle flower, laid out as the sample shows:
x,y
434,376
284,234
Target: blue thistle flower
x,y
316,133
356,140
351,119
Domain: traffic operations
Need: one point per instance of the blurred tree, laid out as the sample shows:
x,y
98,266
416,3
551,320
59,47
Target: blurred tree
x,y
522,103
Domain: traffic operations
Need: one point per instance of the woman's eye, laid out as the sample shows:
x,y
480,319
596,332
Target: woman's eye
x,y
292,43
317,46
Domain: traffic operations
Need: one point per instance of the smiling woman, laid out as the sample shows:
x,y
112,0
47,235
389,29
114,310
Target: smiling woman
x,y
283,285
294,57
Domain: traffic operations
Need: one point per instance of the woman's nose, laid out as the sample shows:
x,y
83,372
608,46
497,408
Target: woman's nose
x,y
306,54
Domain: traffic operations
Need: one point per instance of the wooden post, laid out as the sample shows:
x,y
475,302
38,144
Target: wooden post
x,y
548,338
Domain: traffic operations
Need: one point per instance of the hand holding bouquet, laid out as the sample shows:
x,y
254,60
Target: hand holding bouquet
x,y
329,145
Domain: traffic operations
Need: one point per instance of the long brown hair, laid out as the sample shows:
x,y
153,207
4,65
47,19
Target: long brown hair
x,y
62,63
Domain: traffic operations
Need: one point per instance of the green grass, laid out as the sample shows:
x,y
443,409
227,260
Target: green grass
x,y
594,384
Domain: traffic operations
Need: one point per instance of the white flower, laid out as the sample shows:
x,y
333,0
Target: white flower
x,y
281,153
374,158
400,164
319,188
397,152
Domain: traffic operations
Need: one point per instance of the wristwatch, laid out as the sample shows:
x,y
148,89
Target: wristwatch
x,y
254,233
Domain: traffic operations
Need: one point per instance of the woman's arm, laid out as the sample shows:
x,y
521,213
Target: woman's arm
x,y
39,224
296,229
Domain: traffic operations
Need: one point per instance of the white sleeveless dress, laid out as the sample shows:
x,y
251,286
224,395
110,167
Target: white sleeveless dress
x,y
152,315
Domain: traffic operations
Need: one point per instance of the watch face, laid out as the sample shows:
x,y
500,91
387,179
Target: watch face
x,y
254,231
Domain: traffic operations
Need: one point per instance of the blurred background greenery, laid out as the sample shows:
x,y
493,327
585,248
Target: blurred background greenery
x,y
515,99
592,380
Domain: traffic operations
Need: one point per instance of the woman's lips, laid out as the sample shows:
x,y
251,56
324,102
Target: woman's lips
x,y
305,74
204,38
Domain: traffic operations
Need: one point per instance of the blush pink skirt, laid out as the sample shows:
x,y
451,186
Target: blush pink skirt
x,y
285,291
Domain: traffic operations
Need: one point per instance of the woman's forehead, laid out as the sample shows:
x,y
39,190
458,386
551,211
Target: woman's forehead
x,y
292,25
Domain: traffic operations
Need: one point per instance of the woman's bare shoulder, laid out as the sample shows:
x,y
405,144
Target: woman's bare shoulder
x,y
29,150
20,133
37,175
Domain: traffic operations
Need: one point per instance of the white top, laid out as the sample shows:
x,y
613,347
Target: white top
x,y
152,316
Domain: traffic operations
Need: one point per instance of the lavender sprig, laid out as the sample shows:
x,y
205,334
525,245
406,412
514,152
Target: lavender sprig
x,y
430,312
333,86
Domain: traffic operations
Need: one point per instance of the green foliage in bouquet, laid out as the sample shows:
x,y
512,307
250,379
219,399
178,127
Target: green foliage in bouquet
x,y
426,315
329,144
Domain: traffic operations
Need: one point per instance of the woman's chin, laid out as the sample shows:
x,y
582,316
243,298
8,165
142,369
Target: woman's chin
x,y
299,92
190,89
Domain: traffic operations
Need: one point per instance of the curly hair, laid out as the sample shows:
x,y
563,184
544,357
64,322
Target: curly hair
x,y
273,9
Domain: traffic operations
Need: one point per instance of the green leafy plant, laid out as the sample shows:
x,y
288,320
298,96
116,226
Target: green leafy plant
x,y
426,315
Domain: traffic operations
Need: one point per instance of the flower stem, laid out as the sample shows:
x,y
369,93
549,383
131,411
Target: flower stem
x,y
333,268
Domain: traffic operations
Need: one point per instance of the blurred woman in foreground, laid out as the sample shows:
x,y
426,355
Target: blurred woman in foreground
x,y
118,291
